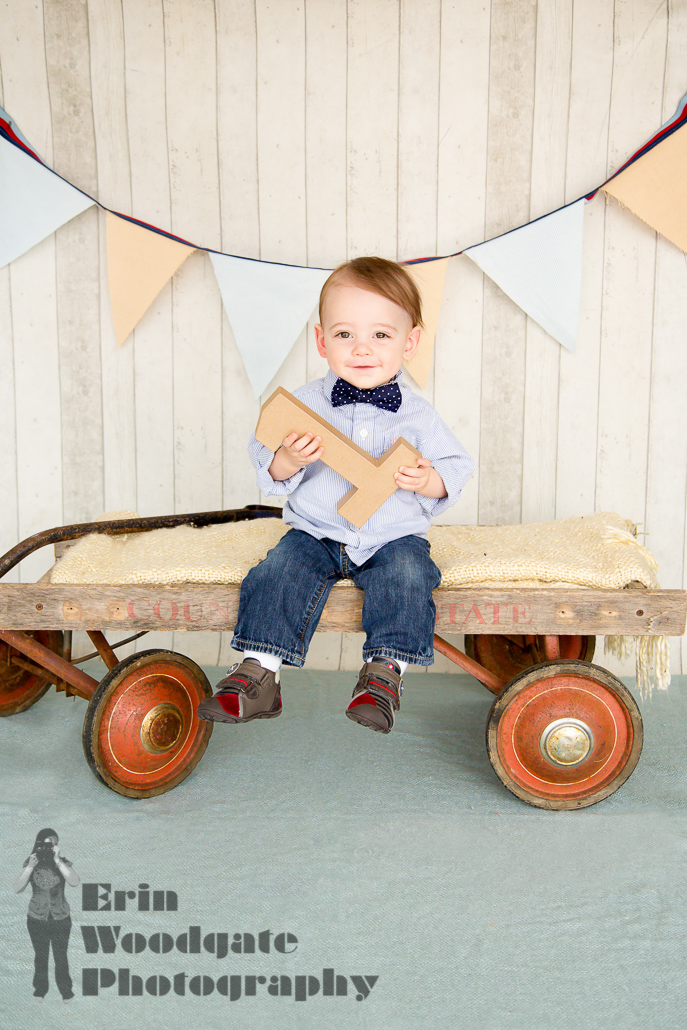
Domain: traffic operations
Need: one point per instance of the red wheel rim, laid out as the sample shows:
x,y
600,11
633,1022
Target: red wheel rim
x,y
146,735
536,707
19,688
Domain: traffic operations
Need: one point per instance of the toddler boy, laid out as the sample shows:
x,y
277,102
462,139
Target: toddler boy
x,y
370,320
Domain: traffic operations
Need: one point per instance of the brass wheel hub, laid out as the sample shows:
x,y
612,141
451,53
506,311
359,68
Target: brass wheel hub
x,y
161,728
566,742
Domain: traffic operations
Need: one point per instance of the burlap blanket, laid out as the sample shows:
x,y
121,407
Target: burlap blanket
x,y
595,551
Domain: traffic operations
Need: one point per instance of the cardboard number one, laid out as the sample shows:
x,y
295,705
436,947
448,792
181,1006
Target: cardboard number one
x,y
372,478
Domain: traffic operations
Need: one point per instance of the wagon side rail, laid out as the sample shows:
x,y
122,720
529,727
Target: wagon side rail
x,y
473,609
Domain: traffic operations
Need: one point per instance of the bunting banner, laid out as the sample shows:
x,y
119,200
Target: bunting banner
x,y
268,306
429,278
34,201
539,266
139,263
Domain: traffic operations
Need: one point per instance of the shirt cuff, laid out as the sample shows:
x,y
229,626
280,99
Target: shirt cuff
x,y
454,480
274,487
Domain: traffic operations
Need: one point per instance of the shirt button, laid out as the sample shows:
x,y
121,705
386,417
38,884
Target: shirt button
x,y
363,433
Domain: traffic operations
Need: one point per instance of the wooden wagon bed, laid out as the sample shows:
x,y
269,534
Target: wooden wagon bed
x,y
562,733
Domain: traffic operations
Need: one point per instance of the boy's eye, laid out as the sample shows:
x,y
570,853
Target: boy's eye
x,y
381,335
344,334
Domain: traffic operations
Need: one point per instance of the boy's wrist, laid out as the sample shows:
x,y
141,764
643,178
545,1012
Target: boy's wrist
x,y
282,466
435,488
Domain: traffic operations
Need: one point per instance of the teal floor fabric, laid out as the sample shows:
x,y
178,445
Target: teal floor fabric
x,y
395,869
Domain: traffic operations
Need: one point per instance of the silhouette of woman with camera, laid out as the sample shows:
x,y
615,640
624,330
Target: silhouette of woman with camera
x,y
49,921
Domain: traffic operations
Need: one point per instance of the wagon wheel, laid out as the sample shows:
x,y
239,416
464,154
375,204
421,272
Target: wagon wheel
x,y
506,656
141,734
564,735
20,688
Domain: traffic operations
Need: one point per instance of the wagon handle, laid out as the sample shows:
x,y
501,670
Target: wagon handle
x,y
136,525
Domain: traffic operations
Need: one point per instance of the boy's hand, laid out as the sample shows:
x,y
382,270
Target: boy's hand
x,y
294,453
423,480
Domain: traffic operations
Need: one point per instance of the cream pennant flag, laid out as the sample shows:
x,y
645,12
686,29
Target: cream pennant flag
x,y
429,278
34,202
653,187
539,266
268,305
139,263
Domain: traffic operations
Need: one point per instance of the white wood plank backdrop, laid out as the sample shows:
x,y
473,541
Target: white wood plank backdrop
x,y
310,131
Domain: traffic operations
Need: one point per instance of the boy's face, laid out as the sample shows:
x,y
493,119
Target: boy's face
x,y
364,336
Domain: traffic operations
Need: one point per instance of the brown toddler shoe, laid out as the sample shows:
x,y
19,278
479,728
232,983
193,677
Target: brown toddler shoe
x,y
247,692
377,695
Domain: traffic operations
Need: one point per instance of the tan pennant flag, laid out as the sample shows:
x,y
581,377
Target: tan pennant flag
x,y
139,263
429,278
653,187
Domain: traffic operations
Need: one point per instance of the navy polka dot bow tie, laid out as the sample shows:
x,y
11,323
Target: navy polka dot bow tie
x,y
386,397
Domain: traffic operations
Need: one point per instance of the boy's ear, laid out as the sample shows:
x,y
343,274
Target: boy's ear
x,y
319,340
412,343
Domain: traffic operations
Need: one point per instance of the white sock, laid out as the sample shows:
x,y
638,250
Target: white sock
x,y
402,665
268,661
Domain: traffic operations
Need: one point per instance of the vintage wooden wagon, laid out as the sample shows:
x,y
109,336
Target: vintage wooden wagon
x,y
562,733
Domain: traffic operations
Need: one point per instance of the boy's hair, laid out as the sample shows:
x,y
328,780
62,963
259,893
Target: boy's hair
x,y
378,275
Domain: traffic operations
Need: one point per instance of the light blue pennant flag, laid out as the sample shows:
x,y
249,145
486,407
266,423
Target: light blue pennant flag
x,y
539,266
34,202
268,305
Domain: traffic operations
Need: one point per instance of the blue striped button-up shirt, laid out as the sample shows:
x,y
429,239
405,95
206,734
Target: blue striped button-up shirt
x,y
314,491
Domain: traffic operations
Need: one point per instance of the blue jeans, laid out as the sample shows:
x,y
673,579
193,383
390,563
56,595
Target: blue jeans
x,y
282,598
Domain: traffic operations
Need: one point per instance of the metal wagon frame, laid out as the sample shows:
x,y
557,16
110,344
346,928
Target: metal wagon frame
x,y
562,733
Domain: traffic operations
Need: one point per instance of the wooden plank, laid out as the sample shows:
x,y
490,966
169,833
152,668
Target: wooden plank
x,y
371,128
461,172
106,37
237,127
78,261
37,397
511,102
590,88
502,405
150,191
418,129
191,87
325,135
29,389
626,336
281,130
667,458
199,607
31,453
418,138
547,193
